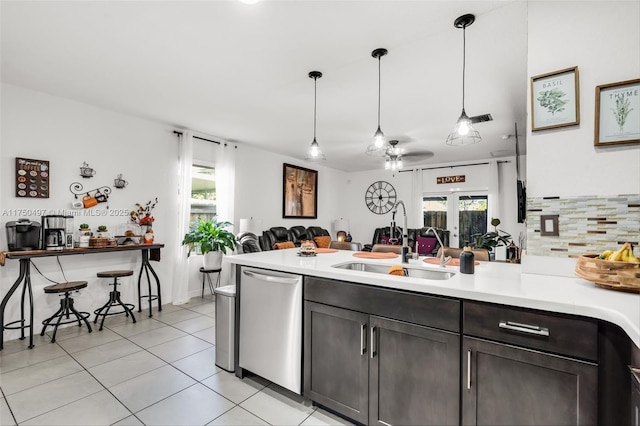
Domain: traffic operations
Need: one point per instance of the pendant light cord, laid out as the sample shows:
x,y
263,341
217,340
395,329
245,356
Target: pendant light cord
x,y
464,60
315,95
379,90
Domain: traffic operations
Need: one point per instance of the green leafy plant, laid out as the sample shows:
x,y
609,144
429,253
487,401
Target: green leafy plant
x,y
102,228
492,239
211,235
84,226
622,111
551,100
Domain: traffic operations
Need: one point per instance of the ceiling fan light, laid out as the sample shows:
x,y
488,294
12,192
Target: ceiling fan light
x,y
399,163
387,163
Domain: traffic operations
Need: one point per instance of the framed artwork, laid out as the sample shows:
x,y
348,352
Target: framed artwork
x,y
299,192
555,99
618,113
32,178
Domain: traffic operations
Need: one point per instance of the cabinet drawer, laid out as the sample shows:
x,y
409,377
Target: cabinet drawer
x,y
430,311
533,329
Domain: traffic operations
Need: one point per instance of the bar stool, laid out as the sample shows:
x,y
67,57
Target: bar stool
x,y
66,307
114,298
205,273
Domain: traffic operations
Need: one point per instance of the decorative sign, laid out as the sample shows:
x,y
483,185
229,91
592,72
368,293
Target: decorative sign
x,y
450,179
32,178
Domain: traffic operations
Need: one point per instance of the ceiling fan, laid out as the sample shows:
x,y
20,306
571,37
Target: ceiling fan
x,y
396,153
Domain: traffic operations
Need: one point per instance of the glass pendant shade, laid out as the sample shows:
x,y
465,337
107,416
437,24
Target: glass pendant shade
x,y
378,146
314,153
463,133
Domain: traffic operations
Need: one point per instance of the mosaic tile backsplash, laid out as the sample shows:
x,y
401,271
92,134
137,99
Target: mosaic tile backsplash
x,y
586,224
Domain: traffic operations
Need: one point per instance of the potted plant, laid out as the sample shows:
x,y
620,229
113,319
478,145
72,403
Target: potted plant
x,y
103,232
491,239
211,239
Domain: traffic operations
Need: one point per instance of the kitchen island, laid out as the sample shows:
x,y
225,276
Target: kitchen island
x,y
591,334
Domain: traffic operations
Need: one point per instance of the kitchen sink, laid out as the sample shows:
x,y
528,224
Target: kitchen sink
x,y
428,274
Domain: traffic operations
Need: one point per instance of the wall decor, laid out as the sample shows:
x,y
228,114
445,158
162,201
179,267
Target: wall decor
x,y
618,113
119,182
32,178
555,99
450,179
300,192
86,171
92,197
380,197
549,225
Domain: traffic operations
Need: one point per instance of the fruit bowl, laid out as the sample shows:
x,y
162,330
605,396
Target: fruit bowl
x,y
611,274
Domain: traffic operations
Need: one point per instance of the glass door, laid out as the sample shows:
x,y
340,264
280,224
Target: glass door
x,y
463,214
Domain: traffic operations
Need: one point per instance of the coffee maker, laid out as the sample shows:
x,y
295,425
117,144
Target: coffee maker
x,y
23,234
54,232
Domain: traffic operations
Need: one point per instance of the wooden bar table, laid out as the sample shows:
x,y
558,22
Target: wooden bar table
x,y
148,251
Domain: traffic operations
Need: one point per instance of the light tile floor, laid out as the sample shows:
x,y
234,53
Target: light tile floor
x,y
158,371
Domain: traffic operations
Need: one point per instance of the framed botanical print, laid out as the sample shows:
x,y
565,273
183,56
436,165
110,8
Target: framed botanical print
x,y
617,113
300,192
555,99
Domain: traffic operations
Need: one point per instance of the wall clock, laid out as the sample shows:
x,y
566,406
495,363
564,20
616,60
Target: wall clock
x,y
380,197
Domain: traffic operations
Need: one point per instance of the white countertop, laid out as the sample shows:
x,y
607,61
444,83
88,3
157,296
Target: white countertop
x,y
495,282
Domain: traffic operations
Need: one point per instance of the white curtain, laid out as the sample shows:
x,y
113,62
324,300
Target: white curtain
x,y
417,191
225,195
180,289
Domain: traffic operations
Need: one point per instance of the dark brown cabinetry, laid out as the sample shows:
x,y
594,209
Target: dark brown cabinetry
x,y
519,367
635,396
381,370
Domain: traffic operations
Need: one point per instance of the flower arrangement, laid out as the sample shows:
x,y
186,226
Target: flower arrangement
x,y
142,214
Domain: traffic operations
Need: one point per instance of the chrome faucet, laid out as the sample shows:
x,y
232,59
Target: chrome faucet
x,y
405,236
443,260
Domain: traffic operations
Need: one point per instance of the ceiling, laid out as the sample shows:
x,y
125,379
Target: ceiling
x,y
240,72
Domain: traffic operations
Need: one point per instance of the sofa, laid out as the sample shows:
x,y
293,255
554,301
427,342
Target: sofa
x,y
427,241
296,234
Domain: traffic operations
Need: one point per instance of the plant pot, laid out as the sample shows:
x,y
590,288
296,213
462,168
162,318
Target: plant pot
x,y
212,260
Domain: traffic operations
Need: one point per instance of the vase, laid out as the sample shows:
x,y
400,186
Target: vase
x,y
212,260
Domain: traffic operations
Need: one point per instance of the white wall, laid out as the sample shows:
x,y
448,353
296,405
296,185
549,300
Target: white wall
x,y
66,133
259,186
603,39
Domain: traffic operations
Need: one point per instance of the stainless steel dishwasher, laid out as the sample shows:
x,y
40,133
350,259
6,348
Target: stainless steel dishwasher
x,y
271,326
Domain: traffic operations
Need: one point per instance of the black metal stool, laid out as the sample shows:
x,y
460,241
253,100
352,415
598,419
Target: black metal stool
x,y
114,298
205,274
66,307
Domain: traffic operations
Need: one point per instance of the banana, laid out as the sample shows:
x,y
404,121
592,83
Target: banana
x,y
625,255
616,256
605,254
632,257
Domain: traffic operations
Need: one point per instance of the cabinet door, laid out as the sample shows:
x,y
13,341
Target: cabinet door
x,y
508,385
635,396
336,364
414,374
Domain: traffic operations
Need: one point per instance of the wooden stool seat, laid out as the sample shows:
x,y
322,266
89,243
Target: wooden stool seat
x,y
64,287
114,274
67,313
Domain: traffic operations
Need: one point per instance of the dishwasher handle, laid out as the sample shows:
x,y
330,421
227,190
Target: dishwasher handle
x,y
271,278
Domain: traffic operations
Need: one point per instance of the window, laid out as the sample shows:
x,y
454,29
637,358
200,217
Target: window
x,y
472,212
434,212
203,192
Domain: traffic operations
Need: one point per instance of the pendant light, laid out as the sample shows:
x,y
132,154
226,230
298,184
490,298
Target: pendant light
x,y
393,159
314,153
463,133
379,144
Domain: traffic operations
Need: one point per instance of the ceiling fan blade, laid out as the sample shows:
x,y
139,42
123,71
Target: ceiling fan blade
x,y
481,118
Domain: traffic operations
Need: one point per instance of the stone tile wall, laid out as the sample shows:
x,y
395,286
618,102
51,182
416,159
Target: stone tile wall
x,y
586,224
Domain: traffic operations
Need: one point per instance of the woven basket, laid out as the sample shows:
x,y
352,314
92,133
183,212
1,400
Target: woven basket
x,y
615,275
98,242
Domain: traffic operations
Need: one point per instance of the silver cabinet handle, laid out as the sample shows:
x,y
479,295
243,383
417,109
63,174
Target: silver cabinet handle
x,y
363,339
468,369
524,328
270,278
372,349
